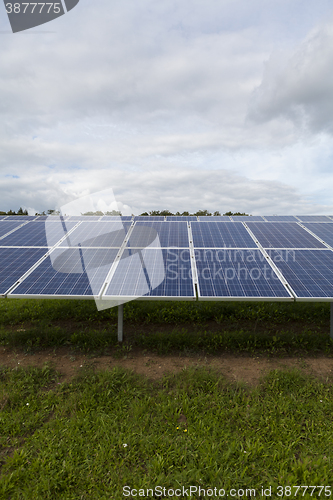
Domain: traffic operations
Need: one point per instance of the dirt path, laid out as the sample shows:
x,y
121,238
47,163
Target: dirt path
x,y
242,368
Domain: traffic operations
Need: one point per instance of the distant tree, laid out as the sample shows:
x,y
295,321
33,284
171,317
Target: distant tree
x,y
113,212
216,213
237,213
144,214
202,213
94,213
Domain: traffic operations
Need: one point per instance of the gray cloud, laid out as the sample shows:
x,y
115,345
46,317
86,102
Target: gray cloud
x,y
299,86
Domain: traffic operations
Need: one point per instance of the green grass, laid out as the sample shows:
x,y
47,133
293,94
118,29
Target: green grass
x,y
89,438
169,327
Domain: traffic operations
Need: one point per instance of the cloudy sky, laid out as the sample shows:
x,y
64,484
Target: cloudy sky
x,y
180,105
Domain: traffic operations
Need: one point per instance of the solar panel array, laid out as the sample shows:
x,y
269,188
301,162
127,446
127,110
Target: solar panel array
x,y
213,258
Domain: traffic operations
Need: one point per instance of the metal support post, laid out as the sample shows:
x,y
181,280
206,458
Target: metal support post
x,y
331,324
121,322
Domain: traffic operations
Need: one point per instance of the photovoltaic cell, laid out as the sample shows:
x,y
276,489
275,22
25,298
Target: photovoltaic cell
x,y
283,235
214,218
97,234
116,218
153,273
221,234
5,227
34,234
45,280
180,218
322,230
308,272
238,274
90,218
21,217
281,218
14,263
313,218
170,234
247,218
148,218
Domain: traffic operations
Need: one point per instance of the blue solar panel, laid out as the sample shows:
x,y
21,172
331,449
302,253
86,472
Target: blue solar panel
x,y
215,218
322,230
283,235
313,218
237,274
72,272
2,216
170,234
90,218
36,234
180,218
308,272
149,218
221,234
97,234
247,218
280,218
6,227
21,217
14,263
153,273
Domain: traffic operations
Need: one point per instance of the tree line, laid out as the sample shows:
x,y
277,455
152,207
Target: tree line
x,y
163,213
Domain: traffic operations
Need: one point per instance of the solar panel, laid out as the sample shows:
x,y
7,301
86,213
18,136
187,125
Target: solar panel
x,y
115,218
221,234
280,218
2,216
153,273
73,273
283,235
322,230
308,272
34,234
214,218
21,217
14,263
313,218
236,274
149,218
247,218
180,218
170,234
78,218
6,227
97,234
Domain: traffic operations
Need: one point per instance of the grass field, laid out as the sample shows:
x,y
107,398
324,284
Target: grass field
x,y
103,430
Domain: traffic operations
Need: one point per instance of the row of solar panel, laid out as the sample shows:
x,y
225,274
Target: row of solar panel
x,y
167,234
129,218
167,273
161,260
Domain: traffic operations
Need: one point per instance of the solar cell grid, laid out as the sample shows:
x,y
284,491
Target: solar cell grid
x,y
322,230
14,263
34,234
180,218
308,272
280,218
283,235
170,234
313,218
45,280
99,234
90,218
215,218
148,218
221,234
153,273
247,218
6,227
237,274
21,217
